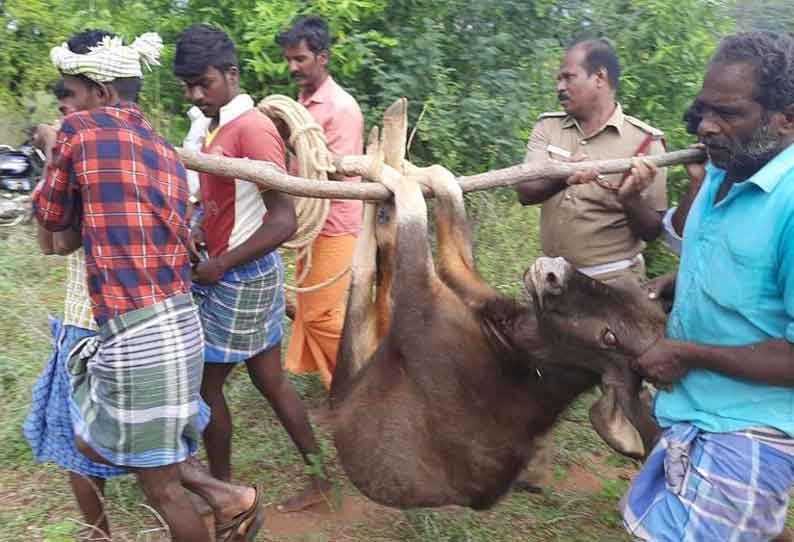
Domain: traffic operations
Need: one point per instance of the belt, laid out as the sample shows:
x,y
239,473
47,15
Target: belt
x,y
611,267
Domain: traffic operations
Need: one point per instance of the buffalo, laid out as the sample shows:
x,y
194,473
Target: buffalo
x,y
443,385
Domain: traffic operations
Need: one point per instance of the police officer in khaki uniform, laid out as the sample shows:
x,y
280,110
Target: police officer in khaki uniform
x,y
599,223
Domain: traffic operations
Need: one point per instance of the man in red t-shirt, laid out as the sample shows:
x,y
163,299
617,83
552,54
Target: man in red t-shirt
x,y
238,281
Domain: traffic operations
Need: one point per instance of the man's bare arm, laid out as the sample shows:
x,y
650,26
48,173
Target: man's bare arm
x,y
532,193
61,243
278,225
769,362
44,238
645,222
66,241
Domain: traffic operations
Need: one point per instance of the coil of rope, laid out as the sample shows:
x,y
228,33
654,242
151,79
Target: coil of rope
x,y
314,162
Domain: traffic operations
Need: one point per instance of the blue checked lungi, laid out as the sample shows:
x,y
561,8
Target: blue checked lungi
x,y
48,426
700,486
135,386
242,314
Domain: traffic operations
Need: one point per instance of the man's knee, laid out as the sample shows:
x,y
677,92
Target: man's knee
x,y
212,382
212,394
162,485
266,366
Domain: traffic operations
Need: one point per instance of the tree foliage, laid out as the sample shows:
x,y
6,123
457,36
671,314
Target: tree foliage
x,y
477,71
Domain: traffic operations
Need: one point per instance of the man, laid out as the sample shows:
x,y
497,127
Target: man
x,y
48,426
319,315
598,223
239,285
725,463
117,187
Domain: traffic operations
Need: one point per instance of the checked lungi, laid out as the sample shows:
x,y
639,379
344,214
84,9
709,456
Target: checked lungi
x,y
242,314
135,386
700,486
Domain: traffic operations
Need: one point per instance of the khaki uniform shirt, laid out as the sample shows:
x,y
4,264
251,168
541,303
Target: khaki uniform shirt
x,y
586,223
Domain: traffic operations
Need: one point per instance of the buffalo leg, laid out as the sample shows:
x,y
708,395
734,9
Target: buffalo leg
x,y
392,150
360,338
415,275
455,258
359,333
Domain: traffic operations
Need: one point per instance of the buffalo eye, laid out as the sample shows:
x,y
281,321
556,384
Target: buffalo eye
x,y
609,338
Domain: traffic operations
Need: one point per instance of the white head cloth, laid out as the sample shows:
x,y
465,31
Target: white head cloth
x,y
110,59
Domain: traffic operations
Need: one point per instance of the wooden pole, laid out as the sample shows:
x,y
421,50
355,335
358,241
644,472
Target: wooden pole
x,y
267,175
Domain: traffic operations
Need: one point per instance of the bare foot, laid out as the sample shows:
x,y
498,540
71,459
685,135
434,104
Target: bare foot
x,y
246,502
244,525
317,492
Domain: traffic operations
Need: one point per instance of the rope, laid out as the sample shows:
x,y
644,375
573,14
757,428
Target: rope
x,y
314,162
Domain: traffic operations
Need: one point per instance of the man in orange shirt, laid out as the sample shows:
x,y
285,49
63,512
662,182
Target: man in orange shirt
x,y
320,315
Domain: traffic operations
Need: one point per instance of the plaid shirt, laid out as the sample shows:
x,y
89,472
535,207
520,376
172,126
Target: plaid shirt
x,y
124,186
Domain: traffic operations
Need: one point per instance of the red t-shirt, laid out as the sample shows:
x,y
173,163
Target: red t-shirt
x,y
233,209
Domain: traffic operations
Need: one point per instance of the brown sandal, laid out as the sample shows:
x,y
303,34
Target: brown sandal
x,y
244,526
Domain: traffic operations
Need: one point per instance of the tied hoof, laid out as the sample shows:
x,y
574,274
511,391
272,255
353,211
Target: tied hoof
x,y
314,494
245,526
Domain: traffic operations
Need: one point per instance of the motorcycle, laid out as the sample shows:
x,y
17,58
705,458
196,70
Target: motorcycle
x,y
20,171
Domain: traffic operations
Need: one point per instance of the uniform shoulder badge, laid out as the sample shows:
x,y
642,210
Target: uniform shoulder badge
x,y
552,114
647,128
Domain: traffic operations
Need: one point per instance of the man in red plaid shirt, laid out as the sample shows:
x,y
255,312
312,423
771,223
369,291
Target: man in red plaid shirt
x,y
123,182
135,399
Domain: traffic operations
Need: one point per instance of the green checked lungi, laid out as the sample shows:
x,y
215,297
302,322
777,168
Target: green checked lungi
x,y
135,386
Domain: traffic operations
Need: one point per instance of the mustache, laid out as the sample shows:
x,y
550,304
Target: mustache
x,y
561,97
714,142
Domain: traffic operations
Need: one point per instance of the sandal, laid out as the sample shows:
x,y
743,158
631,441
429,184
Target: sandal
x,y
244,526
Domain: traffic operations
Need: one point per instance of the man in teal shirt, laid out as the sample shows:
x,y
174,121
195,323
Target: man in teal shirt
x,y
724,465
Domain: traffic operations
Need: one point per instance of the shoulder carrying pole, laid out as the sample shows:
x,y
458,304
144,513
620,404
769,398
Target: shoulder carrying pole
x,y
269,176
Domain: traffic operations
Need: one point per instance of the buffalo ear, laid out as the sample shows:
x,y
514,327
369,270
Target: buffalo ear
x,y
612,424
621,417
